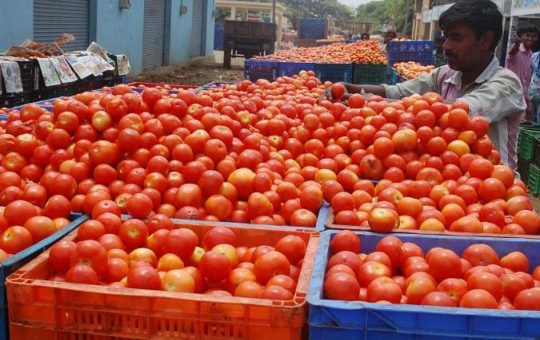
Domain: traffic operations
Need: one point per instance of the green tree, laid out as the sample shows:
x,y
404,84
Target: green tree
x,y
391,12
298,9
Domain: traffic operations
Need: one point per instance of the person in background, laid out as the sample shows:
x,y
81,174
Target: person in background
x,y
439,53
364,36
472,75
534,89
389,35
519,57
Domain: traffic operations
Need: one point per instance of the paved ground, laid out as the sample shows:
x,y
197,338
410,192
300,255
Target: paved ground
x,y
198,73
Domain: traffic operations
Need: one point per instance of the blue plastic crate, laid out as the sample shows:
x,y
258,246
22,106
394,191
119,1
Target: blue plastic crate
x,y
260,69
291,69
312,28
218,36
4,118
420,51
18,260
329,319
334,72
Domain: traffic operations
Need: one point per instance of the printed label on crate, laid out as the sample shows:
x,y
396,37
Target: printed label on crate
x,y
48,71
64,71
124,66
12,76
79,68
90,64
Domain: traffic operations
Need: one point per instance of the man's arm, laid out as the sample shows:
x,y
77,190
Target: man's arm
x,y
497,98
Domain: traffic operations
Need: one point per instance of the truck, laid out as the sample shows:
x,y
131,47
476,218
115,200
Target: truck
x,y
246,39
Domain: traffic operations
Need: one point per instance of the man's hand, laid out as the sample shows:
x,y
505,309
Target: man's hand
x,y
327,94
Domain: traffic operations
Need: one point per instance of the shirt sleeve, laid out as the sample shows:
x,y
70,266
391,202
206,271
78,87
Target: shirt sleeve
x,y
497,99
425,83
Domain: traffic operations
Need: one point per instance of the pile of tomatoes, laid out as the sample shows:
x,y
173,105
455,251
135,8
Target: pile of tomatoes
x,y
157,255
436,169
400,272
412,69
363,52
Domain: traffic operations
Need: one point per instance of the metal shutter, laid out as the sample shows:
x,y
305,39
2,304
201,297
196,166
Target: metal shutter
x,y
196,28
154,33
53,17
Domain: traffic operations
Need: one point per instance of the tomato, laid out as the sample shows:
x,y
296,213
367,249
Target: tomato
x,y
60,256
82,274
40,227
19,211
345,240
181,242
516,261
133,233
270,264
215,266
341,286
90,253
443,264
143,276
480,255
528,299
478,298
440,299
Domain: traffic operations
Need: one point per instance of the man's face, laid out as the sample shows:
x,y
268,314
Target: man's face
x,y
388,36
529,39
462,48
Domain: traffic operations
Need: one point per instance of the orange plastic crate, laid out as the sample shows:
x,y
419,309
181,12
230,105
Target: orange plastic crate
x,y
41,309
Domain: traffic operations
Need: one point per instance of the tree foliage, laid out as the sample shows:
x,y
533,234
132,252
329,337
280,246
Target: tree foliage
x,y
298,9
398,13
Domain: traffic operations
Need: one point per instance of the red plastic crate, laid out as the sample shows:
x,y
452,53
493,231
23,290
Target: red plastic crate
x,y
41,309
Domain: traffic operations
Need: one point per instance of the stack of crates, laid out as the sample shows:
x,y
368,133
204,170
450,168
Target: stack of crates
x,y
529,155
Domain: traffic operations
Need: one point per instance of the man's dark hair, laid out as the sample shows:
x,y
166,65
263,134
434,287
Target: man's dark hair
x,y
527,29
480,15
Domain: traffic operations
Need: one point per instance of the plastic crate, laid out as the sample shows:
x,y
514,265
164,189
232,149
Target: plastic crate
x,y
334,72
218,36
420,51
533,179
369,74
15,99
330,225
319,225
527,140
329,319
213,85
260,69
21,258
58,310
523,169
392,77
291,69
312,28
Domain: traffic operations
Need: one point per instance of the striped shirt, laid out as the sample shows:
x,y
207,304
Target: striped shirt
x,y
496,94
520,63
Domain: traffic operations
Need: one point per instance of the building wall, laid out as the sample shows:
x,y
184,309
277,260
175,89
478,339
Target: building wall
x,y
210,23
16,22
121,31
180,36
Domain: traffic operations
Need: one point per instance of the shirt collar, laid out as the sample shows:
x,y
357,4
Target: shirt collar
x,y
522,48
455,79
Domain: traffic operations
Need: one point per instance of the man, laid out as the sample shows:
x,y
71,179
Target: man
x,y
389,35
472,29
364,36
519,58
